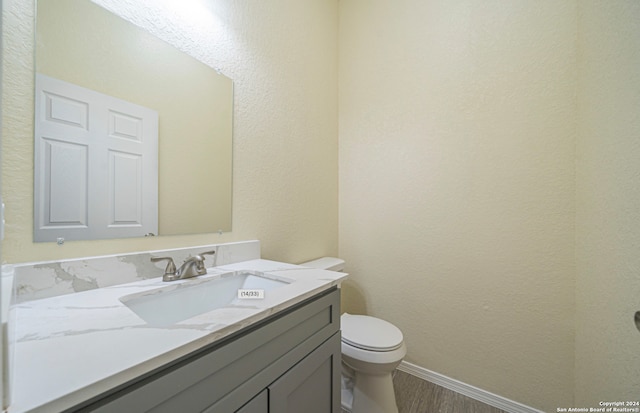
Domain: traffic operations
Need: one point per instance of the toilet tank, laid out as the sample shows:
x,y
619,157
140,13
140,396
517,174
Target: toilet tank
x,y
325,263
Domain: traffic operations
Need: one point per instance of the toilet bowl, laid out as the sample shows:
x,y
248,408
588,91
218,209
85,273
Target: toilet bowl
x,y
371,349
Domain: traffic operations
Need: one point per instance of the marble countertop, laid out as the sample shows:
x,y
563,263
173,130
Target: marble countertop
x,y
73,347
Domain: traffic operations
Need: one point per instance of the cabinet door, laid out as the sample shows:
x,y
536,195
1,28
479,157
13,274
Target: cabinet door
x,y
259,404
312,385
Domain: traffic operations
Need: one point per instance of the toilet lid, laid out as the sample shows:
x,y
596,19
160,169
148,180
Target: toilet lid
x,y
370,333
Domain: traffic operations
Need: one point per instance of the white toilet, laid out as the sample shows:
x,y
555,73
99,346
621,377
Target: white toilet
x,y
371,349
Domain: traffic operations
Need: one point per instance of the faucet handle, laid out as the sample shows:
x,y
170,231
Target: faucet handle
x,y
202,254
171,266
199,261
208,252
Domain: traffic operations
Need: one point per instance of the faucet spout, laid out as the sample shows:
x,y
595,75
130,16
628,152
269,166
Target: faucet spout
x,y
192,267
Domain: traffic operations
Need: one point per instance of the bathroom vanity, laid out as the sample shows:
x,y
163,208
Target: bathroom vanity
x,y
287,363
96,351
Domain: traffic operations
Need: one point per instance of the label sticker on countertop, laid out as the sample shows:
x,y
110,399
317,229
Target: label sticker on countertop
x,y
250,294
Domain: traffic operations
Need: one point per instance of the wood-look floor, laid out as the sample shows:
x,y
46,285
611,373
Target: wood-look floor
x,y
414,395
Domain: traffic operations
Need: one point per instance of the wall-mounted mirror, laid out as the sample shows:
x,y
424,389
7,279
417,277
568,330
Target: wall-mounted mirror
x,y
80,43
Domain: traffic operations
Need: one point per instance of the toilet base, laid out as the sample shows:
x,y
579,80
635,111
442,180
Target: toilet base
x,y
346,387
369,394
346,401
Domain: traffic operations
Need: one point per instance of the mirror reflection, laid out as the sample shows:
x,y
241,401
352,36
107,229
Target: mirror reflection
x,y
80,43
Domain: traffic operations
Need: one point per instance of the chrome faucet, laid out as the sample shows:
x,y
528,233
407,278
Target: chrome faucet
x,y
191,267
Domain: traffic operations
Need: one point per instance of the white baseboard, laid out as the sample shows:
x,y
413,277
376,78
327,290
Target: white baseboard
x,y
484,396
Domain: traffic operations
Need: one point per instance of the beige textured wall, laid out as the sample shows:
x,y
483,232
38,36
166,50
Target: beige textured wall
x,y
459,197
457,136
608,199
282,57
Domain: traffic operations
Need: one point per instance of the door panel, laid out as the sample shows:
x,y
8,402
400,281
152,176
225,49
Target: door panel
x,y
312,385
259,404
96,164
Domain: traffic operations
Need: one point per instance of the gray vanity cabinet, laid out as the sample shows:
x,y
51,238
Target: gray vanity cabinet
x,y
259,404
307,387
288,363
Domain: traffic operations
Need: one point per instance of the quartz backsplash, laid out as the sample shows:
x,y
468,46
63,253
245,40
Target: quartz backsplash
x,y
38,280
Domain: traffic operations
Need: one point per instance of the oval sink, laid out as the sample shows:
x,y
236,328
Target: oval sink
x,y
169,305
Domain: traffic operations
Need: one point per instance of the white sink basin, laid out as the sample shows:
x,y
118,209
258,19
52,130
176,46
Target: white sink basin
x,y
168,305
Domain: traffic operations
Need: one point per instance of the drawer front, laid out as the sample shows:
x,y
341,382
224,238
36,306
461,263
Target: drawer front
x,y
261,354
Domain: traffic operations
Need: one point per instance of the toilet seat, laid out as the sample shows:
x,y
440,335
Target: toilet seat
x,y
370,333
350,352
